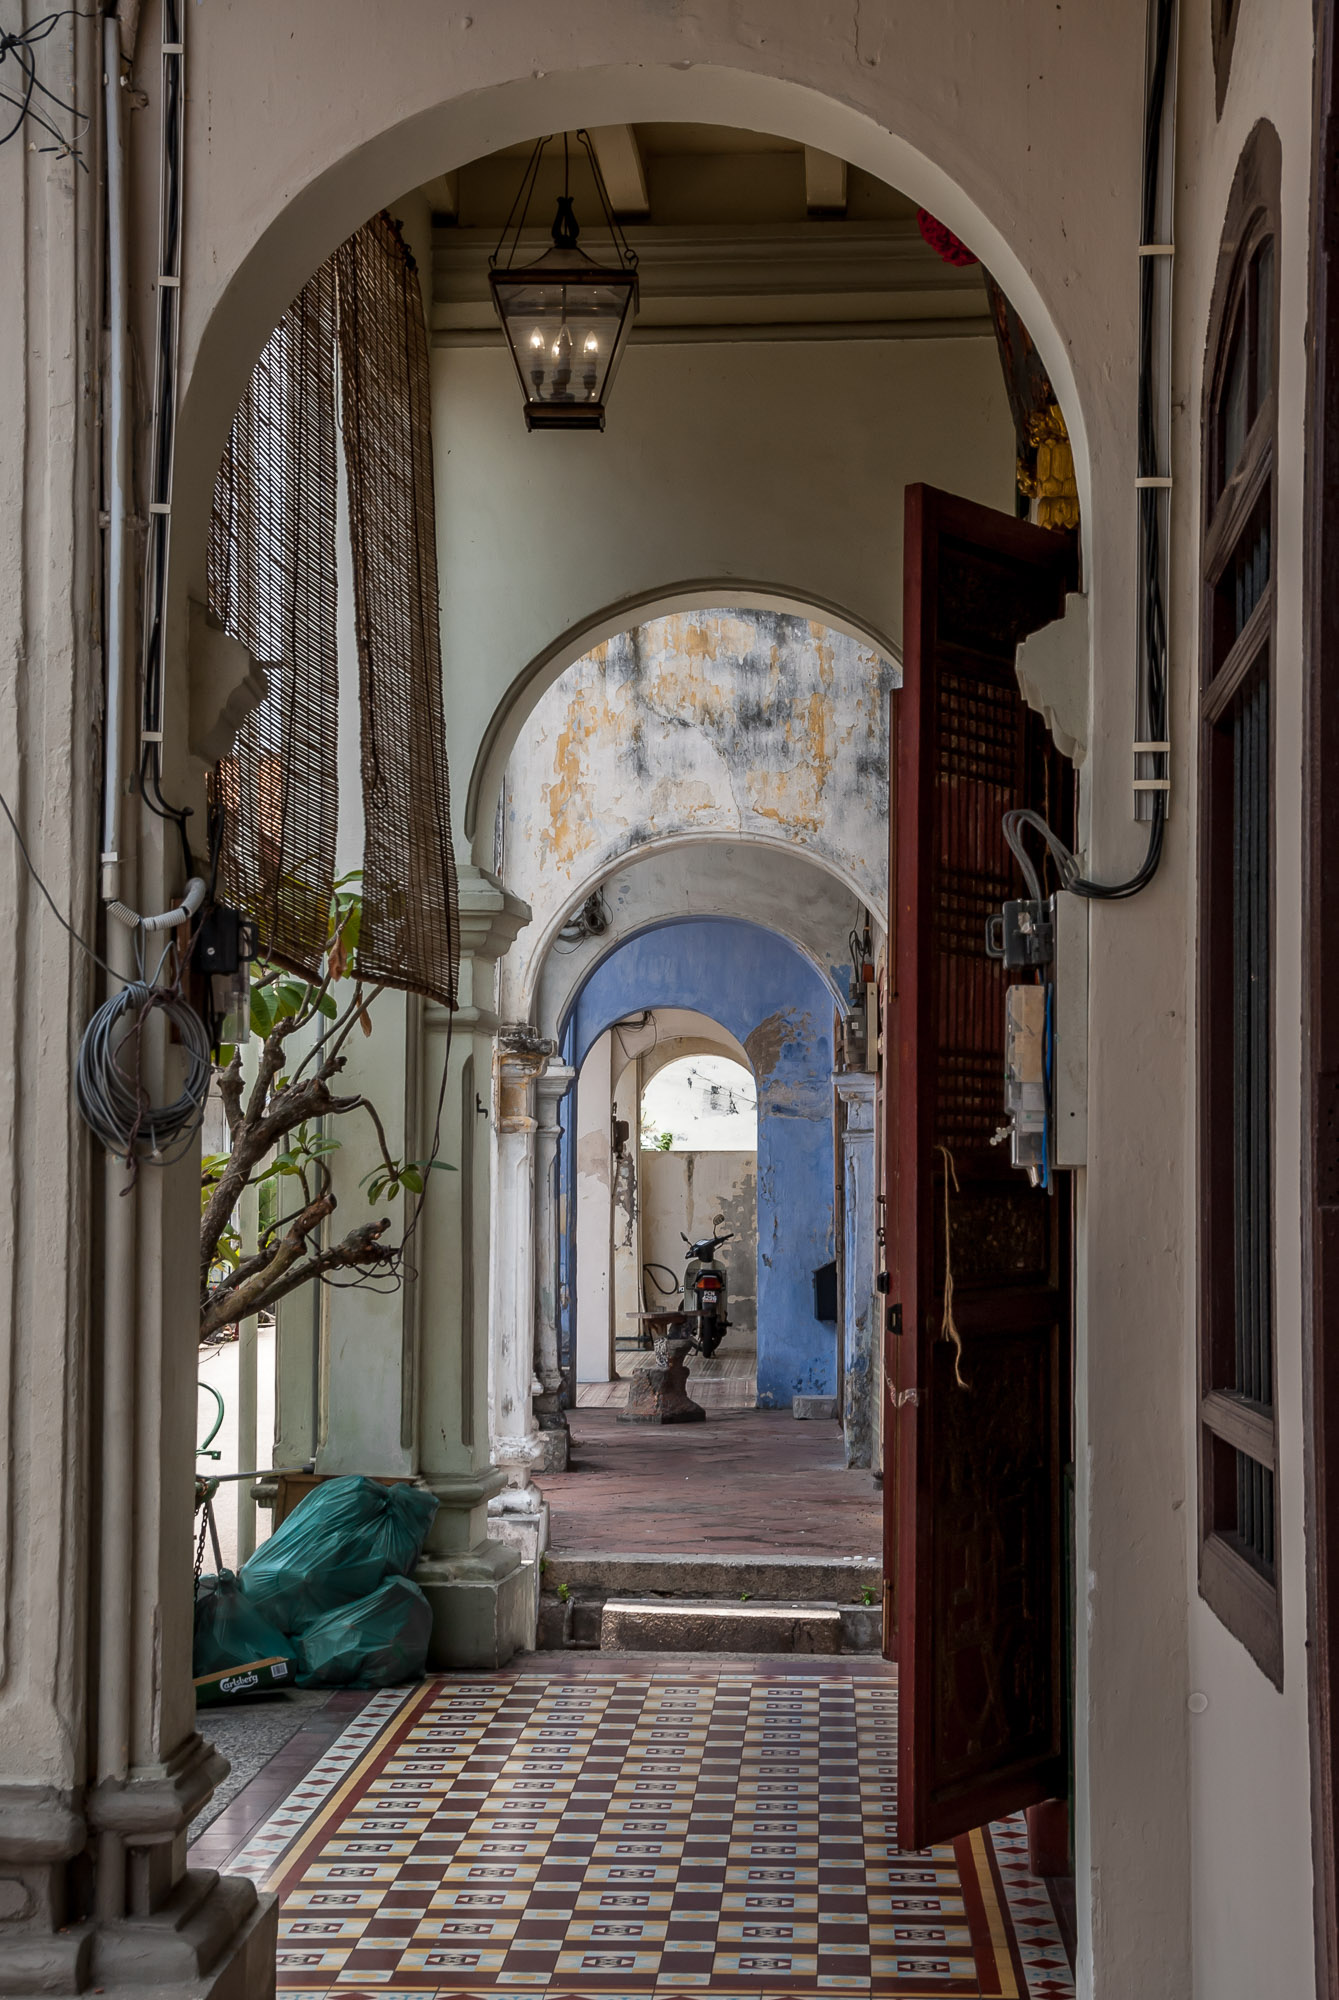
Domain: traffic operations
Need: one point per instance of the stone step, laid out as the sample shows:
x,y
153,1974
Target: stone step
x,y
833,1579
712,1625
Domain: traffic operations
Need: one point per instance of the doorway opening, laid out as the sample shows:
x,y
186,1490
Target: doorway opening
x,y
749,734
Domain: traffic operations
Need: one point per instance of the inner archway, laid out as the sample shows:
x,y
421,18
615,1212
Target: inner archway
x,y
656,1184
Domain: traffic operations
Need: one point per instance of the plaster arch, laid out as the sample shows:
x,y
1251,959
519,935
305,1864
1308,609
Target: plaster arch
x,y
687,877
692,1034
945,123
354,137
547,667
749,980
653,928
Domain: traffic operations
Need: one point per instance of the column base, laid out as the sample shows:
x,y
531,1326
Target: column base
x,y
545,1450
480,1607
520,1519
214,1939
519,1456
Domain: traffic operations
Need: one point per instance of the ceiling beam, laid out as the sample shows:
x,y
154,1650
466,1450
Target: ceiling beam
x,y
443,193
620,159
824,183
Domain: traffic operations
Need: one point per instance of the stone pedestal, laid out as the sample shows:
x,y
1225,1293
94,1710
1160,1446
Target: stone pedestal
x,y
478,1588
859,1302
659,1395
519,1517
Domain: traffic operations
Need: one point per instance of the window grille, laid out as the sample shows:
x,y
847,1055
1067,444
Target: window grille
x,y
1239,1573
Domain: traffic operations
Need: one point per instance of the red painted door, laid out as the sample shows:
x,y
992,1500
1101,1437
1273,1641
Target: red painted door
x,y
976,1424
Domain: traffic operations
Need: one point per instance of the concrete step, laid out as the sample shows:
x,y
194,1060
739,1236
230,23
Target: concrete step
x,y
713,1625
579,1586
834,1579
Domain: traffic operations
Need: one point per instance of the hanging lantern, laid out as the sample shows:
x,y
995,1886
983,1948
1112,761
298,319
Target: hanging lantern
x,y
566,317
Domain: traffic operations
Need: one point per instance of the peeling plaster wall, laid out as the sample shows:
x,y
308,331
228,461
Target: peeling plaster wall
x,y
681,1195
701,877
753,723
770,998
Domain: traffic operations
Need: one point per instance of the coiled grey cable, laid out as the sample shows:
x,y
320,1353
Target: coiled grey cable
x,y
108,1083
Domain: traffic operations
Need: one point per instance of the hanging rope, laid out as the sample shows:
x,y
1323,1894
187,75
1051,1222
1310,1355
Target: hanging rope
x,y
948,1327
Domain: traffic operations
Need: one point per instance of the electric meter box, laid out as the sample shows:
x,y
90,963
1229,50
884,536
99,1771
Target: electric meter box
x,y
1025,1038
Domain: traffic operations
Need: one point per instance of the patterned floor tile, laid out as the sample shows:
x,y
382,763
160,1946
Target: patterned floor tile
x,y
640,1838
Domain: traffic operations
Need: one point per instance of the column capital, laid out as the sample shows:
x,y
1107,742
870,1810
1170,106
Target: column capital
x,y
518,1062
550,1089
491,917
856,1090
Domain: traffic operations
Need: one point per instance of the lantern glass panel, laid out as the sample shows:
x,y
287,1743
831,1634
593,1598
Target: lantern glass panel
x,y
566,327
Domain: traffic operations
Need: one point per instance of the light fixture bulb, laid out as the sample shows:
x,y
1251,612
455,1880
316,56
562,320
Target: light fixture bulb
x,y
536,338
592,344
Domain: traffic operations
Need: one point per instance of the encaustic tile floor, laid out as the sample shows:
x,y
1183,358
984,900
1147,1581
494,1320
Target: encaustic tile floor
x,y
639,1828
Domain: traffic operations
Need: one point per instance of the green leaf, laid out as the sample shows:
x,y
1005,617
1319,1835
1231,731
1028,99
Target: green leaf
x,y
329,1006
263,1011
411,1178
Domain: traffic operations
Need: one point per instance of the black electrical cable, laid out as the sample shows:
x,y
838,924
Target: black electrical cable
x,y
675,1285
164,442
19,47
109,1082
1154,620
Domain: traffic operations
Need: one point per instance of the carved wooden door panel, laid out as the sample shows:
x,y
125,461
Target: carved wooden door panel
x,y
977,1398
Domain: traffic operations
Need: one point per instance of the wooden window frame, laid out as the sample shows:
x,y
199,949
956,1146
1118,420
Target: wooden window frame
x,y
1242,1595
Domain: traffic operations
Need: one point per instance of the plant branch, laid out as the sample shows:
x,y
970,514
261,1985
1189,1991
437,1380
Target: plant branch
x,y
291,1263
263,1125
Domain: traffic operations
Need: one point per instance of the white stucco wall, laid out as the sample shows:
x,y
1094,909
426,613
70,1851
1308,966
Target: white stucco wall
x,y
780,466
1250,1778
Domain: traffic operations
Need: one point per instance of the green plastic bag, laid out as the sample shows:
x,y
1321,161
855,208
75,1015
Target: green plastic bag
x,y
236,1650
344,1539
377,1642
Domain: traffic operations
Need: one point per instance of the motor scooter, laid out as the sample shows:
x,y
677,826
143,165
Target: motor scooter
x,y
704,1288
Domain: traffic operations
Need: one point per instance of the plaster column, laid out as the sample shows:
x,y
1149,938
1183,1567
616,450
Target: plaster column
x,y
478,1588
101,1765
594,1197
554,1087
519,1065
524,1260
856,1094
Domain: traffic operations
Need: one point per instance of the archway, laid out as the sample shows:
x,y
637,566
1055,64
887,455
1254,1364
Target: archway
x,y
771,1002
657,1183
1060,373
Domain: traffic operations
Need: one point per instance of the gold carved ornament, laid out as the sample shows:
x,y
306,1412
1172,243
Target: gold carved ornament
x,y
1050,479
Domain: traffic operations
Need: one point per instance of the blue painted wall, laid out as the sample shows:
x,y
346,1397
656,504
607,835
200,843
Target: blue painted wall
x,y
769,996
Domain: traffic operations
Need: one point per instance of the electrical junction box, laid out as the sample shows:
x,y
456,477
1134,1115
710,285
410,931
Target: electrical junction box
x,y
1025,1037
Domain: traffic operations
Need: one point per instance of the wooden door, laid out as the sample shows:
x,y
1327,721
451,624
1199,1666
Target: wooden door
x,y
976,1434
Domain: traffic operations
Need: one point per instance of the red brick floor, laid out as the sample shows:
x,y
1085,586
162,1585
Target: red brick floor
x,y
746,1482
